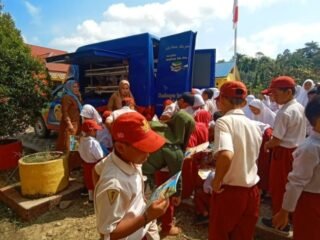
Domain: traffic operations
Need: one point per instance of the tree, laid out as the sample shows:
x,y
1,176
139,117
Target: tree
x,y
23,88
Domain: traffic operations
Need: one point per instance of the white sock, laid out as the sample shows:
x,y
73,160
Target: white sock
x,y
90,195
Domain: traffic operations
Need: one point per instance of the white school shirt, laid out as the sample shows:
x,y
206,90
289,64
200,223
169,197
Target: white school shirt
x,y
116,113
171,109
236,133
90,150
305,174
118,192
290,124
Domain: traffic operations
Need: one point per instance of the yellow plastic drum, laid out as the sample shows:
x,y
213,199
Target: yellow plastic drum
x,y
43,174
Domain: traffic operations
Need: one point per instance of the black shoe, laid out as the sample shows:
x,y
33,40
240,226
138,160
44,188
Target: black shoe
x,y
267,222
84,193
201,220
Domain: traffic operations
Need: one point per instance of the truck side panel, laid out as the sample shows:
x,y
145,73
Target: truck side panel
x,y
174,67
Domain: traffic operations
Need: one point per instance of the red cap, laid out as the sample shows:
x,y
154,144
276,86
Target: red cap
x,y
233,89
167,102
133,128
89,125
106,113
282,82
266,91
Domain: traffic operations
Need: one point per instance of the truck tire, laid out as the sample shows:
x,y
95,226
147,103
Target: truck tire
x,y
40,128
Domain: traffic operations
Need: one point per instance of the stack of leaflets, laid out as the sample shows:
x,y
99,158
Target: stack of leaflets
x,y
165,190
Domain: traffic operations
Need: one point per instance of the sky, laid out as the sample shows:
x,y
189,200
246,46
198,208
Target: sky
x,y
267,26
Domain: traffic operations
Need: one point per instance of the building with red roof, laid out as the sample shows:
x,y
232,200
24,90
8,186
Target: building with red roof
x,y
58,72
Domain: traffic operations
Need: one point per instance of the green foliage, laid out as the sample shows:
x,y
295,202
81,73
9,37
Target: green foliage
x,y
257,72
23,90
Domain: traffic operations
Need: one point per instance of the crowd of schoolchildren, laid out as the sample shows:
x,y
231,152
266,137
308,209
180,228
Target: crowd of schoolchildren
x,y
259,148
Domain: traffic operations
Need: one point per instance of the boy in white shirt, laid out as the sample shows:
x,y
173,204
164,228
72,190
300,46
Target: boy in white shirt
x,y
235,197
289,131
302,194
90,151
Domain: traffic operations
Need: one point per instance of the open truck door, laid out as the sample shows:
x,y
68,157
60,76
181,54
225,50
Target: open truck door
x,y
174,68
203,73
98,70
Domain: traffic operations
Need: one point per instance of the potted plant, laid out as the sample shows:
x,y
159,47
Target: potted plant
x,y
51,167
23,90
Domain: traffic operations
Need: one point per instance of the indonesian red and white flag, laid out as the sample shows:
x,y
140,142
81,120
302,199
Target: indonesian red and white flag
x,y
235,13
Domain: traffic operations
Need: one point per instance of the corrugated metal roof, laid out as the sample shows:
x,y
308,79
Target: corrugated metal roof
x,y
224,68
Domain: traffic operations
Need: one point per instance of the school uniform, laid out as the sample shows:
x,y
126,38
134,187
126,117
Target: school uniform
x,y
290,128
264,161
234,212
201,197
302,194
91,152
118,193
199,135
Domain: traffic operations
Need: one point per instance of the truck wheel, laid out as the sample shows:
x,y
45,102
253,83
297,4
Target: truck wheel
x,y
40,128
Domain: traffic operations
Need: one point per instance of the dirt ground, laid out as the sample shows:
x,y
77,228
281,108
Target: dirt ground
x,y
76,222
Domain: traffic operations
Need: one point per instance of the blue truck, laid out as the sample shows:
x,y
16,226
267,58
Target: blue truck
x,y
157,69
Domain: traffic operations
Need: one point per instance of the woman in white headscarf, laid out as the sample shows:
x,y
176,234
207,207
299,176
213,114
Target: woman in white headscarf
x,y
302,97
261,112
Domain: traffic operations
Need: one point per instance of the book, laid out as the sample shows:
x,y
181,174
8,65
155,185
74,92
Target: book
x,y
165,190
74,142
199,148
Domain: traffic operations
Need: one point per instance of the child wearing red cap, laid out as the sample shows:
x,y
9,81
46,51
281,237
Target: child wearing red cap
x,y
302,194
235,199
120,205
90,151
289,132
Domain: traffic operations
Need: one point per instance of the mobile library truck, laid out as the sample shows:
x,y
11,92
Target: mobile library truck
x,y
157,69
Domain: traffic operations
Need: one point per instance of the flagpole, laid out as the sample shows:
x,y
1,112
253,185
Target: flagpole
x,y
235,51
235,27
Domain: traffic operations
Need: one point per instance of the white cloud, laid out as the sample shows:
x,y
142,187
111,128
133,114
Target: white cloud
x,y
276,39
33,11
162,19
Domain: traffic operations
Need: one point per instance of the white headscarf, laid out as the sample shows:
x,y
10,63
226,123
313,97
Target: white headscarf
x,y
88,111
216,92
246,109
303,94
198,101
266,115
196,91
